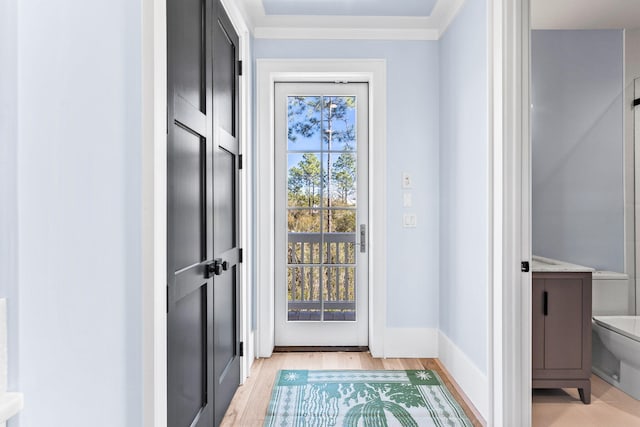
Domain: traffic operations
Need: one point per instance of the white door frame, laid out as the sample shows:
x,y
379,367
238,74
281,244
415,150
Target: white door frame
x,y
510,329
154,204
269,71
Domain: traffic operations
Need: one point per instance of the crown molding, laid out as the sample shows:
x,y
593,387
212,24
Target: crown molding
x,y
316,33
349,27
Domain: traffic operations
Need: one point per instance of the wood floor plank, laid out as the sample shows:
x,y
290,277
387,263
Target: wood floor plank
x,y
411,364
249,405
369,363
392,363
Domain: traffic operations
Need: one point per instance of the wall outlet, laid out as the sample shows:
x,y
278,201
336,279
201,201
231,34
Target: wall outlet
x,y
409,220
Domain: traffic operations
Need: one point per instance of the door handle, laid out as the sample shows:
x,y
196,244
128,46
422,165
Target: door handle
x,y
545,303
216,268
363,238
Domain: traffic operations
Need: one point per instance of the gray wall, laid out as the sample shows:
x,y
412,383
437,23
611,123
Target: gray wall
x,y
577,147
412,146
464,182
79,210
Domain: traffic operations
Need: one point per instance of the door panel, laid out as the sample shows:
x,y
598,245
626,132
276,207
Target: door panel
x,y
190,317
225,209
188,198
225,77
563,319
188,58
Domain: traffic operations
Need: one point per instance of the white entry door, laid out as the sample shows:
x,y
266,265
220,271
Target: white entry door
x,y
321,214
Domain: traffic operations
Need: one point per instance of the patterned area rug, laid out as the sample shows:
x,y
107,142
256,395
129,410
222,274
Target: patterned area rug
x,y
363,399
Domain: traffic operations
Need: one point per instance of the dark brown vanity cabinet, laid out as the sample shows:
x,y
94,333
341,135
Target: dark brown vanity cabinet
x,y
561,331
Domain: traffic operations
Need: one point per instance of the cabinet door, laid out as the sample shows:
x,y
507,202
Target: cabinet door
x,y
537,324
563,324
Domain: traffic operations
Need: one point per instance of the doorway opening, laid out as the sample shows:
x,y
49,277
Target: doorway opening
x,y
371,76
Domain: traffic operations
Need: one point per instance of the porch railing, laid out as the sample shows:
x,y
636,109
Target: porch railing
x,y
321,273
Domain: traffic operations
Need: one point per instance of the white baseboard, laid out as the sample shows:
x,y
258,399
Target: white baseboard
x,y
472,380
411,342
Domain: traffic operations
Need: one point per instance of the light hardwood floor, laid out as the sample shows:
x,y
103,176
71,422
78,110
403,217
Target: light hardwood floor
x,y
249,406
610,407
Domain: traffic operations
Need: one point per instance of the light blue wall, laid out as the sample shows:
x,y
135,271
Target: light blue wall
x,y
79,212
412,146
9,178
464,189
577,147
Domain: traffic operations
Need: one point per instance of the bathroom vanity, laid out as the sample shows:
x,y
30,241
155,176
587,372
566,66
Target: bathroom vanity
x,y
561,326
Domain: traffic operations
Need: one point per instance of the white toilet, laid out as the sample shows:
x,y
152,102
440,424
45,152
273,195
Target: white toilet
x,y
610,293
616,351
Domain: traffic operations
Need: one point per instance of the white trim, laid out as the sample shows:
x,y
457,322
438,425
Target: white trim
x,y
636,143
351,27
510,335
269,71
471,379
154,212
448,15
318,33
411,342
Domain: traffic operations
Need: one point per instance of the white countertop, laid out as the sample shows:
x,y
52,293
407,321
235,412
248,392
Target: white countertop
x,y
547,265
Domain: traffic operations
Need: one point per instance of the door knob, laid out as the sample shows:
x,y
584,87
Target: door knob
x,y
216,267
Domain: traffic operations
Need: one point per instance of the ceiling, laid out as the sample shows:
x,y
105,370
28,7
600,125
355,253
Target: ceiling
x,y
349,19
350,7
585,14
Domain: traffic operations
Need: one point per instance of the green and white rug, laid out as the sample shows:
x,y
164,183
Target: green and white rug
x,y
362,399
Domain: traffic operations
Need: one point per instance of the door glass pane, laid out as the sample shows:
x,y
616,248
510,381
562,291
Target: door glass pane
x,y
340,221
339,294
304,116
304,179
304,297
343,180
339,123
321,204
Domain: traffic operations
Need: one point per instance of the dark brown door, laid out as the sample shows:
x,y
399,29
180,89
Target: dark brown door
x,y
202,343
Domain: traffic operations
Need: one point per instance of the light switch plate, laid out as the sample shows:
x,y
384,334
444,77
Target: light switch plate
x,y
407,199
407,182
